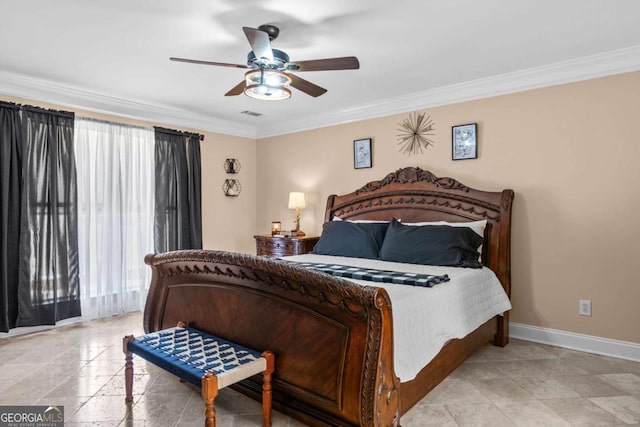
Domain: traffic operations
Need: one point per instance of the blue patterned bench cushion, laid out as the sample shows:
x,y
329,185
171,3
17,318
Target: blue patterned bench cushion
x,y
189,354
373,275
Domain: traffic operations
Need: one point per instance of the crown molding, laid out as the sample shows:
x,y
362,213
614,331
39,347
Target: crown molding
x,y
12,84
584,68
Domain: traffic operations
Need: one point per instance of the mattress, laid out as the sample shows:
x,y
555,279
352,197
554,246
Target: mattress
x,y
425,319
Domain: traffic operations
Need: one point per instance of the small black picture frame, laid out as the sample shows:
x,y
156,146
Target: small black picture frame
x,y
464,142
362,157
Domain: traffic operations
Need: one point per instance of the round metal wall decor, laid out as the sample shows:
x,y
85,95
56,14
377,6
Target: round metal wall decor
x,y
415,132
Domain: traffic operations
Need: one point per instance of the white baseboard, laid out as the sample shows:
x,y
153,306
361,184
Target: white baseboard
x,y
588,343
23,330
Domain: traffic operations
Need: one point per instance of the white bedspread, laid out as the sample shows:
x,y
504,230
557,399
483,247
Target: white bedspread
x,y
425,319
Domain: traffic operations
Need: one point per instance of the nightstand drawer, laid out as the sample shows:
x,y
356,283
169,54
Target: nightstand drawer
x,y
276,247
284,246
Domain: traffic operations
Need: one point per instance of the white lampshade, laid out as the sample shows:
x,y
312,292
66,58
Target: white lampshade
x,y
296,200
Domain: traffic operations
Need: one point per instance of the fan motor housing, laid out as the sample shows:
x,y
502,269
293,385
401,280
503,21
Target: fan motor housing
x,y
279,60
271,30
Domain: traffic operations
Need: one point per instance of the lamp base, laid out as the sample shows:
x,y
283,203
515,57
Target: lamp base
x,y
298,233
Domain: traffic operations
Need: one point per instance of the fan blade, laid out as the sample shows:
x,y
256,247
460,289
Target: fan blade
x,y
344,63
195,61
260,44
306,86
236,90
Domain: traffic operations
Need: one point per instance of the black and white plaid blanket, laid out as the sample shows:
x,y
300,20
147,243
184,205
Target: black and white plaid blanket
x,y
372,275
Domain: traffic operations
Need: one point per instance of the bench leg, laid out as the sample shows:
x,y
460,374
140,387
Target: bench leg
x,y
209,393
266,388
128,369
182,324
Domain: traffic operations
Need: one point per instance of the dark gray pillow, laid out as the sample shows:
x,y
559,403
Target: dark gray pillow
x,y
344,238
431,245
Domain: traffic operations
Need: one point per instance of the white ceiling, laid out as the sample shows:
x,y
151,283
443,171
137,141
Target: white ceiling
x,y
112,55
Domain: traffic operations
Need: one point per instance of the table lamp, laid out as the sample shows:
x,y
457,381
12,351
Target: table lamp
x,y
297,202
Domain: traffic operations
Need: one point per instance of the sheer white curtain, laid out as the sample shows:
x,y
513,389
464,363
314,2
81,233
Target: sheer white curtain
x,y
115,168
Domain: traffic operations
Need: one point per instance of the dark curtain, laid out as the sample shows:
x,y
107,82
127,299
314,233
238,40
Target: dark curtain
x,y
178,217
48,280
10,191
195,192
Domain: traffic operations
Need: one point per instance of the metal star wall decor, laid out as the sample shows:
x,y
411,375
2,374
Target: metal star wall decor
x,y
414,133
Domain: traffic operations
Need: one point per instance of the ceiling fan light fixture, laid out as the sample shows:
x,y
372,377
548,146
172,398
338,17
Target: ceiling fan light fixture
x,y
266,79
267,84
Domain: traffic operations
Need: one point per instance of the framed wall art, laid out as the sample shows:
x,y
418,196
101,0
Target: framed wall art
x,y
362,153
464,142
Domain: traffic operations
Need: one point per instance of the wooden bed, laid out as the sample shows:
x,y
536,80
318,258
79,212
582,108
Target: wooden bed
x,y
333,339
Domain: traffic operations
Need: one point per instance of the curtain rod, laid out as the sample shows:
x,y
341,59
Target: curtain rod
x,y
177,132
60,113
114,123
14,106
7,104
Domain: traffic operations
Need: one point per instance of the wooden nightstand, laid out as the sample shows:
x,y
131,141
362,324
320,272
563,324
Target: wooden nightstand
x,y
284,246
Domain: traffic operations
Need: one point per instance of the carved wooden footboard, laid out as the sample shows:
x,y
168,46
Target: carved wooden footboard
x,y
332,339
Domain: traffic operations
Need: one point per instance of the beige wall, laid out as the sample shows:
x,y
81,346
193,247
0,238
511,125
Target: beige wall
x,y
571,153
228,223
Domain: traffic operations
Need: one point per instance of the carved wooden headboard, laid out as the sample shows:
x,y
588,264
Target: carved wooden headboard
x,y
415,195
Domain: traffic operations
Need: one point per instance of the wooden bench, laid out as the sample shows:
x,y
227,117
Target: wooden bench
x,y
204,360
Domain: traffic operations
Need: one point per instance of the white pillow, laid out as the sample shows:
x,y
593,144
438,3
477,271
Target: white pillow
x,y
362,221
477,226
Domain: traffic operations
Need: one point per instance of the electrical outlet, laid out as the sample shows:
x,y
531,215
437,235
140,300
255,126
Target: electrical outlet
x,y
585,307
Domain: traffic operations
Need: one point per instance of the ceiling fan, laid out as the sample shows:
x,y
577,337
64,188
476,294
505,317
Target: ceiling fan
x,y
270,69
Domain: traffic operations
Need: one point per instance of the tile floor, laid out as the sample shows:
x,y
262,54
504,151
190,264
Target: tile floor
x,y
524,384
